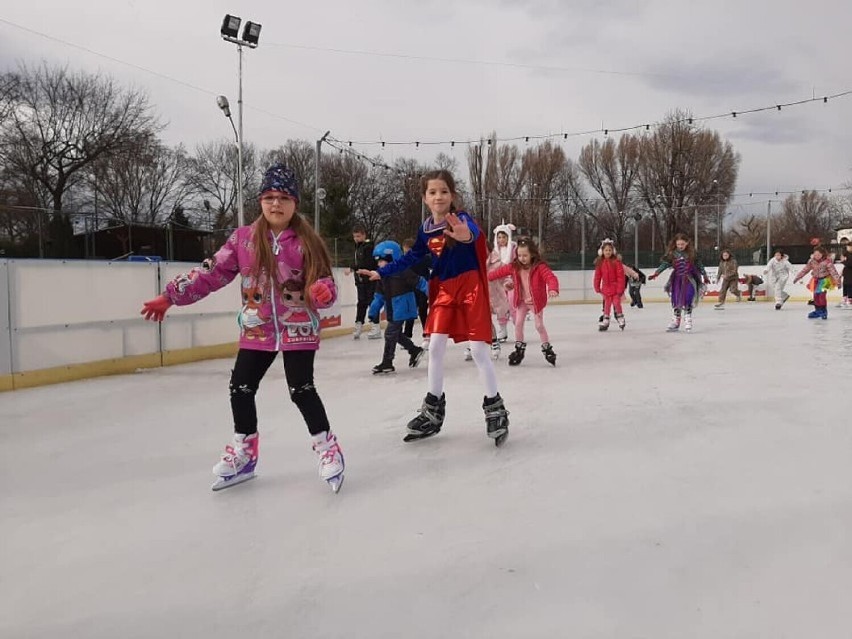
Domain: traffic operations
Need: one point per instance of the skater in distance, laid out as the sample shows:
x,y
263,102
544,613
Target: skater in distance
x,y
533,283
609,283
285,278
459,307
684,285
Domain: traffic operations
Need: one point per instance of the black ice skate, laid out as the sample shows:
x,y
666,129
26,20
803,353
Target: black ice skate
x,y
549,354
430,419
496,419
517,356
384,367
621,321
603,322
415,357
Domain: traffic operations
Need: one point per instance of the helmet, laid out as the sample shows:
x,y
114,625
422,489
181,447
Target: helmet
x,y
387,250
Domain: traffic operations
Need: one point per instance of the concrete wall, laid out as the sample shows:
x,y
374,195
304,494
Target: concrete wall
x,y
63,320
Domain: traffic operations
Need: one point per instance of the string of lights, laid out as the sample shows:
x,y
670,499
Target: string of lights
x,y
605,130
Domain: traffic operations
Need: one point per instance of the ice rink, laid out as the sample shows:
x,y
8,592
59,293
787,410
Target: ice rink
x,y
653,485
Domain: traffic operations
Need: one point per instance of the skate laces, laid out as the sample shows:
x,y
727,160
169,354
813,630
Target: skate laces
x,y
328,451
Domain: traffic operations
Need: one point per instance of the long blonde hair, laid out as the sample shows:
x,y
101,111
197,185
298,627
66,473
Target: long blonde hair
x,y
316,260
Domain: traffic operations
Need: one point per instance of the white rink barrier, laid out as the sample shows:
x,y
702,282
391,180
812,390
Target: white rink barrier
x,y
71,319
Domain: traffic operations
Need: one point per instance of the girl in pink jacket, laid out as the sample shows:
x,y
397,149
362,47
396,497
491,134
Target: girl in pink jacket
x,y
285,277
609,283
533,283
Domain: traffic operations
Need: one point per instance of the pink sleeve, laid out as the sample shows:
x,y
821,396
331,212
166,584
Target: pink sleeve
x,y
212,275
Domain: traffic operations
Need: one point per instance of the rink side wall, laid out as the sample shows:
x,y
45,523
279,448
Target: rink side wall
x,y
62,320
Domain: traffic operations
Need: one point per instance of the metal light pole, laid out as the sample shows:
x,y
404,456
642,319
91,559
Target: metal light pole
x,y
251,33
223,104
768,229
583,250
636,219
317,189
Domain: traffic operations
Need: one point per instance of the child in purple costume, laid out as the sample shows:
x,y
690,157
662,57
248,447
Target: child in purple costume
x,y
684,285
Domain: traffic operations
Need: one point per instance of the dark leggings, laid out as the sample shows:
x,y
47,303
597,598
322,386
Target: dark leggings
x,y
250,368
422,311
366,289
394,336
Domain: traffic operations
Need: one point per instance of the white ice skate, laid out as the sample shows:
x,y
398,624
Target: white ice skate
x,y
359,328
331,464
495,349
238,463
674,325
375,332
502,333
687,322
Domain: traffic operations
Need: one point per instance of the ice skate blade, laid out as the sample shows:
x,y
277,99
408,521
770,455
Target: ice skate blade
x,y
415,437
225,482
501,438
335,483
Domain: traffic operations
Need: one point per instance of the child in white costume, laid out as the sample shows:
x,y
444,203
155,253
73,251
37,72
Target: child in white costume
x,y
778,271
504,252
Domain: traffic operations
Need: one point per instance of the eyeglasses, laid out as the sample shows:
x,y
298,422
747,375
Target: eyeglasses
x,y
272,199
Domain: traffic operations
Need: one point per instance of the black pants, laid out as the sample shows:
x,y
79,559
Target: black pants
x,y
250,368
394,336
366,290
422,312
847,288
635,295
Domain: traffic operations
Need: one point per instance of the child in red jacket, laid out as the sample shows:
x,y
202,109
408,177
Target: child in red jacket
x,y
533,283
609,283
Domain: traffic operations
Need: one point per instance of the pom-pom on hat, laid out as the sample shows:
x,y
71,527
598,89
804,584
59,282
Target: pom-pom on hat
x,y
279,177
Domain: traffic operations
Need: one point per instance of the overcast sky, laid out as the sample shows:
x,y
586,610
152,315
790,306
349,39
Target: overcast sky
x,y
372,69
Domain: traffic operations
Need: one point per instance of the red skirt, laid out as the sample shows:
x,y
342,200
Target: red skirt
x,y
461,309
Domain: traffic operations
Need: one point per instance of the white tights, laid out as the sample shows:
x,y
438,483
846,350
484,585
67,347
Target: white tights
x,y
481,352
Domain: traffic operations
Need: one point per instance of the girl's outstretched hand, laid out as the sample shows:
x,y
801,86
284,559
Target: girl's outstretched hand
x,y
373,275
155,309
552,293
321,293
653,276
457,229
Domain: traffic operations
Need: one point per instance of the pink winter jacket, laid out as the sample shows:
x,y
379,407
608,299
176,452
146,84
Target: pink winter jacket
x,y
269,320
542,280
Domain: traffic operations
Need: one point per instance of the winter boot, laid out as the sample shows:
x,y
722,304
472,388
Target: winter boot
x,y
675,322
331,464
238,463
687,321
621,321
375,332
495,349
359,328
496,419
823,312
383,367
549,353
415,357
429,421
517,356
603,322
815,314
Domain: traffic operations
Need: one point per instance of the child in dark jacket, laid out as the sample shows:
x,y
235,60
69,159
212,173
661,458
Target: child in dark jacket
x,y
396,294
634,284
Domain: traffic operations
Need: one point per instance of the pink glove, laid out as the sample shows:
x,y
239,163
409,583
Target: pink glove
x,y
156,308
321,293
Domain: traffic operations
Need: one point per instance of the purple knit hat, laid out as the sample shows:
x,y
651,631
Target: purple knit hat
x,y
280,178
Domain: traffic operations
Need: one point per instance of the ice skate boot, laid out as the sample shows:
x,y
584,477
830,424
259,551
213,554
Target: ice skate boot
x,y
502,333
823,312
603,322
496,419
517,356
375,332
495,349
429,421
359,328
415,357
687,321
331,464
815,314
621,321
674,325
549,353
238,463
383,367
468,355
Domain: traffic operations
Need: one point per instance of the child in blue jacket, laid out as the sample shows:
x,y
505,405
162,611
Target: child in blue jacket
x,y
396,295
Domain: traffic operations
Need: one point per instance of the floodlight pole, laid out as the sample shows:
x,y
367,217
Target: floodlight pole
x,y
240,212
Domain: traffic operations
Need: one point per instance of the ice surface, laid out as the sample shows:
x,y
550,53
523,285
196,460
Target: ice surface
x,y
654,485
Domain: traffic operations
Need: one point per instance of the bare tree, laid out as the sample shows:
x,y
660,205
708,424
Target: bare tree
x,y
60,123
142,184
213,176
748,233
805,216
685,171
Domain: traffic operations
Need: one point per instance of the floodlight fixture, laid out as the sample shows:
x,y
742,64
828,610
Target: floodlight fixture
x,y
230,27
